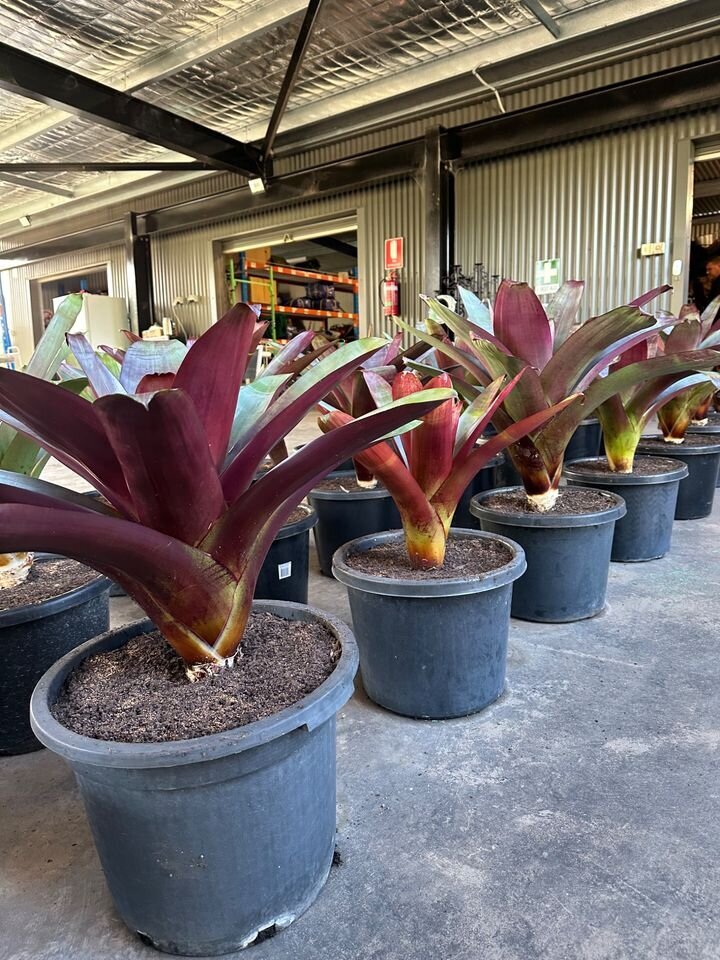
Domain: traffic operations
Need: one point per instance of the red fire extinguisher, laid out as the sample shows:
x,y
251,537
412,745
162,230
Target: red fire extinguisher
x,y
390,294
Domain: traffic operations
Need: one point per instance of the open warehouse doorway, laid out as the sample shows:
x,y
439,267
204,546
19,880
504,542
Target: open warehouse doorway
x,y
304,279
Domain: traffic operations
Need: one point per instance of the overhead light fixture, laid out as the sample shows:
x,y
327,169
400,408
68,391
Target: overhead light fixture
x,y
256,184
25,221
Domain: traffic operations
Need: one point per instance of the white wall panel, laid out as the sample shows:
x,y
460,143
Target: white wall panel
x,y
16,284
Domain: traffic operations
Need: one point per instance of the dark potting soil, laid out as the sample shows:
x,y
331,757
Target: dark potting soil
x,y
691,440
140,692
571,500
299,513
465,557
346,484
642,467
47,579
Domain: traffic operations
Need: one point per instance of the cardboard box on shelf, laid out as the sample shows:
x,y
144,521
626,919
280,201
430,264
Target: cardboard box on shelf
x,y
259,254
260,291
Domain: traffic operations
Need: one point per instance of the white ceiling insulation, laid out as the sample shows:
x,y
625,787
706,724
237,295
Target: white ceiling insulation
x,y
221,64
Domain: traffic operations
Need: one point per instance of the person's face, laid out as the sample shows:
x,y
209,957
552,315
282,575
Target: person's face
x,y
713,270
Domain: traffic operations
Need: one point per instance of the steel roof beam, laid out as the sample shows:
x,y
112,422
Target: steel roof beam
x,y
62,166
541,14
291,74
25,75
706,188
130,78
35,185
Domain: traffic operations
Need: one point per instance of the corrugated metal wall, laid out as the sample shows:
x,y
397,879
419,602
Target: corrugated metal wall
x,y
515,97
183,261
16,284
592,203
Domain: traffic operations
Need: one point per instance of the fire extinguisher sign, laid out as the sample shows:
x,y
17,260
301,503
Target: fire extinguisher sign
x,y
395,253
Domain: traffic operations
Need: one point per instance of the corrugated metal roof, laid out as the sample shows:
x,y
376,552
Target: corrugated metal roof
x,y
352,44
222,63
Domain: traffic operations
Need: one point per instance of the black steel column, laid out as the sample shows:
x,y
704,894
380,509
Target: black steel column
x,y
438,189
139,274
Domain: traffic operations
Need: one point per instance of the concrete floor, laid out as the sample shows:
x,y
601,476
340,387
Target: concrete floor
x,y
576,819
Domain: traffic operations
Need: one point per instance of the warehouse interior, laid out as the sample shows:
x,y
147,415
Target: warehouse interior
x,y
330,163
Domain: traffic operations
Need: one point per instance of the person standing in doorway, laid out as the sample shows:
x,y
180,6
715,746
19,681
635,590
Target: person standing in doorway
x,y
706,288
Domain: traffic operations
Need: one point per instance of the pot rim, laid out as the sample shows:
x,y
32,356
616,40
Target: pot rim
x,y
712,446
671,475
64,601
298,526
614,511
313,710
442,587
374,493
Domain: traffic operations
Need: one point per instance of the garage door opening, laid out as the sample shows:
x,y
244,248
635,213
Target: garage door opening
x,y
299,283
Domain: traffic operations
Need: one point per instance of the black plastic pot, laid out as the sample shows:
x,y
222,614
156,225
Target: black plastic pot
x,y
486,479
712,431
343,517
32,638
697,490
568,558
645,532
206,843
284,574
431,649
585,442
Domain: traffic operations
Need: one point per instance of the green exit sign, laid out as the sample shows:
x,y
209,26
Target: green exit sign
x,y
547,276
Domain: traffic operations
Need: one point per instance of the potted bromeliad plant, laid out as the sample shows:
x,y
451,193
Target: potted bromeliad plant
x,y
47,606
649,485
149,365
203,738
679,439
569,530
431,604
351,504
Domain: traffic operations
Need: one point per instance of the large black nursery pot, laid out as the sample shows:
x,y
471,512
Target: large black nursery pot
x,y
431,649
711,430
585,442
568,557
645,532
206,843
32,638
346,516
486,479
284,573
697,490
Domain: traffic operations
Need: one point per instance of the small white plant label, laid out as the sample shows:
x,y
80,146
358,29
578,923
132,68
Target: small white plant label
x,y
284,570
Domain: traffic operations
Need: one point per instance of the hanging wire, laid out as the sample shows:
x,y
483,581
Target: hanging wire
x,y
489,86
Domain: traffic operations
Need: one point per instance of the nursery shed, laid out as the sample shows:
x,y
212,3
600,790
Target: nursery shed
x,y
334,163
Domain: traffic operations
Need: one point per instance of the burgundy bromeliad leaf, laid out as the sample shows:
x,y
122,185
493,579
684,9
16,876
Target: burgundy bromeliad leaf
x,y
521,324
164,454
212,372
68,427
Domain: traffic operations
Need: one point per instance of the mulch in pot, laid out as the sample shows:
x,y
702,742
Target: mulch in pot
x,y
140,693
691,440
47,579
570,501
642,467
346,484
299,513
465,558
